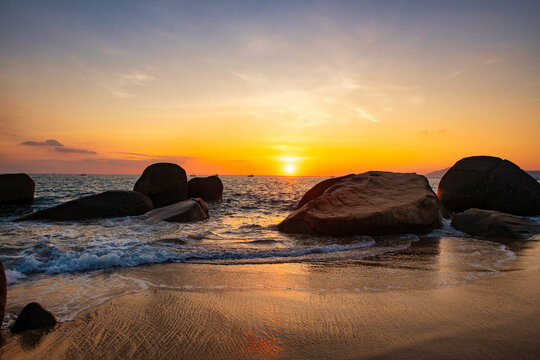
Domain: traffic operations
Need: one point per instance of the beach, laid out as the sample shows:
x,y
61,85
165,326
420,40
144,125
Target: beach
x,y
311,310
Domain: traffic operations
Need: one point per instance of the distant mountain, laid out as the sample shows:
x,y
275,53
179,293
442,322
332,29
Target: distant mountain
x,y
440,173
437,173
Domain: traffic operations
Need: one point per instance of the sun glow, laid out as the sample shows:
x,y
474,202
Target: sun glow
x,y
289,169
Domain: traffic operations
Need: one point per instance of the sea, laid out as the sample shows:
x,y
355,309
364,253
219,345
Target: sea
x,y
72,266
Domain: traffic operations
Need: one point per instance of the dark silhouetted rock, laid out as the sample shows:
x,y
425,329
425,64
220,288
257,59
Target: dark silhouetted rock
x,y
3,291
183,211
107,204
319,189
373,203
33,317
208,188
164,183
490,183
495,224
16,188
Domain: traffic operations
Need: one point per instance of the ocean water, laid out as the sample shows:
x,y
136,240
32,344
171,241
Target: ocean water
x,y
73,266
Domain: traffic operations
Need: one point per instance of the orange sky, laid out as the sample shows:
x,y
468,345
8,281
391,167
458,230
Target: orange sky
x,y
267,89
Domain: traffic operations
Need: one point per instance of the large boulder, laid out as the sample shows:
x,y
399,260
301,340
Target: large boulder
x,y
164,183
16,188
114,203
3,292
319,189
487,182
495,224
33,317
183,211
372,203
208,188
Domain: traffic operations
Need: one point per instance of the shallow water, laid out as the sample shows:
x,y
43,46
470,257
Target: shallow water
x,y
72,266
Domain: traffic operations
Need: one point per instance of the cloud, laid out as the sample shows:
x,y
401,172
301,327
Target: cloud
x,y
430,132
42,143
120,87
365,115
73,150
491,60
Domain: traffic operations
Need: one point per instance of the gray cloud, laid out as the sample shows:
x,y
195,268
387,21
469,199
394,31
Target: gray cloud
x,y
73,150
50,142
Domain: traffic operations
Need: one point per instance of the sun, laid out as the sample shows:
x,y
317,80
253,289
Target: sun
x,y
290,169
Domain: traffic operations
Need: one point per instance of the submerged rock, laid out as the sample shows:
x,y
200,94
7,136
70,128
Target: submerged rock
x,y
3,291
183,211
372,203
16,188
164,183
208,188
490,183
495,224
33,317
107,204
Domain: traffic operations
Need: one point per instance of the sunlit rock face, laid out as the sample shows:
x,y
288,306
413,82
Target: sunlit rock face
x,y
107,204
487,182
184,211
16,188
164,183
372,203
208,188
495,224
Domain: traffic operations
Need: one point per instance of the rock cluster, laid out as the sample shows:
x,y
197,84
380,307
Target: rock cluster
x,y
208,188
164,183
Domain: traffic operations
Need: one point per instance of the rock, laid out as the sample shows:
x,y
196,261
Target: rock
x,y
372,203
319,189
107,204
33,317
164,183
208,188
16,188
3,292
490,183
183,211
495,224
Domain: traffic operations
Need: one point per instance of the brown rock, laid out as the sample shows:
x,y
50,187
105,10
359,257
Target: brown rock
x,y
16,188
107,204
319,189
33,317
183,211
495,224
164,183
208,188
373,203
3,292
487,182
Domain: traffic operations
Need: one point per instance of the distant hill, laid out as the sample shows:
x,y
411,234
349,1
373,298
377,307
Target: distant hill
x,y
440,173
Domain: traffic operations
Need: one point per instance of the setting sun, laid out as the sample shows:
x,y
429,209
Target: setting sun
x,y
290,169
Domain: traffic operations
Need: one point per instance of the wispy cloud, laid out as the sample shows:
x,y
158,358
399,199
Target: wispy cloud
x,y
491,60
50,142
74,150
365,115
434,132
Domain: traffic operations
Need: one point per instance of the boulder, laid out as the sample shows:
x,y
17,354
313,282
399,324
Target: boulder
x,y
319,189
164,183
3,292
490,183
183,211
16,188
495,224
33,317
208,188
372,203
107,204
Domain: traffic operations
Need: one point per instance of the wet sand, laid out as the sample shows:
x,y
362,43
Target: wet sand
x,y
296,311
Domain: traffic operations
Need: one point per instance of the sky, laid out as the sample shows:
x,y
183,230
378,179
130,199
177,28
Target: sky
x,y
267,87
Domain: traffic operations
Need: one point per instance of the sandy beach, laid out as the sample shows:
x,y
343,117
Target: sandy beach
x,y
316,310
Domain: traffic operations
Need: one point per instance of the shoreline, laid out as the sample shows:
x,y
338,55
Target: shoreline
x,y
493,316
